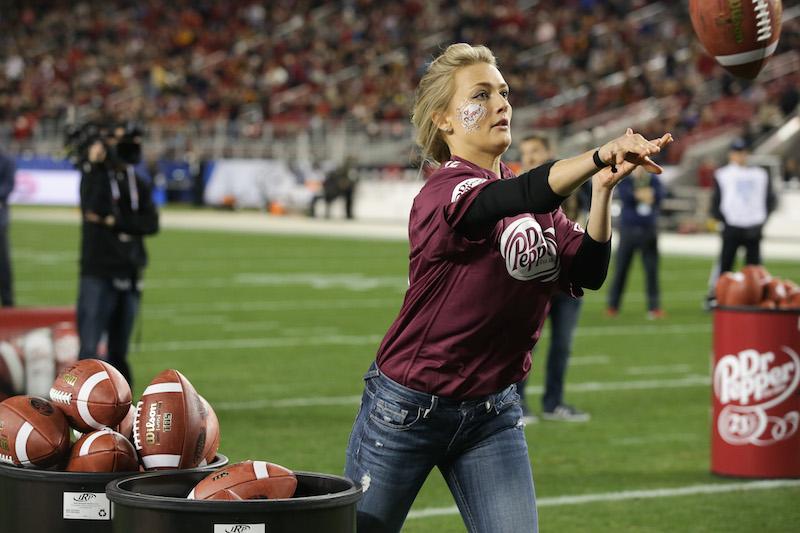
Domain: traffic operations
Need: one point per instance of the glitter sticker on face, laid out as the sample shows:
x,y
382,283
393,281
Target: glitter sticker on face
x,y
470,114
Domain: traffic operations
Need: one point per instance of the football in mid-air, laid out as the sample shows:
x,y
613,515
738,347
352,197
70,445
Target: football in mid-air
x,y
169,428
33,432
103,451
93,394
741,35
248,480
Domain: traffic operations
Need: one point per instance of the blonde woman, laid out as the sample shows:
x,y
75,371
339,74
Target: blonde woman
x,y
488,249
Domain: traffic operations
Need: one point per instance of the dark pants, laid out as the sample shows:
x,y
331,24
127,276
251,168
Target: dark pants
x,y
732,239
104,308
632,239
348,203
564,314
6,287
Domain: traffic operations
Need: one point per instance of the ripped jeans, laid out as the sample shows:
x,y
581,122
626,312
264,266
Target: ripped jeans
x,y
478,445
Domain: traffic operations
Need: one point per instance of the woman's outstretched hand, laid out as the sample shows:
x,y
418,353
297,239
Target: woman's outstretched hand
x,y
626,153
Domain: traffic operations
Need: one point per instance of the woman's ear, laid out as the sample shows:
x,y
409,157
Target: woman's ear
x,y
443,122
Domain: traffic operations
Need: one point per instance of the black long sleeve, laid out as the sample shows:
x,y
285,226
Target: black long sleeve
x,y
772,198
528,193
590,265
716,200
145,220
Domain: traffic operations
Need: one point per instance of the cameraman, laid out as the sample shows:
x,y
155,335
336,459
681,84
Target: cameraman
x,y
118,211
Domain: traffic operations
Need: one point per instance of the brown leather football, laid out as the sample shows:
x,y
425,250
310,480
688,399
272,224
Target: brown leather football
x,y
103,451
734,288
212,434
775,290
169,429
33,432
12,371
248,480
740,34
93,395
790,302
125,428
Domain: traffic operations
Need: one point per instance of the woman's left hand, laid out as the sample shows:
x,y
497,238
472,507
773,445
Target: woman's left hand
x,y
607,178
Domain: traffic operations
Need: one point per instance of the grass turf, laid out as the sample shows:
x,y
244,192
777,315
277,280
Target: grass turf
x,y
264,326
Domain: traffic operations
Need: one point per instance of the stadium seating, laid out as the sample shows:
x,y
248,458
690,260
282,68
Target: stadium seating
x,y
268,71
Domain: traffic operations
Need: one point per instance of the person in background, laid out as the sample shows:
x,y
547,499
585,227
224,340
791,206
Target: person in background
x,y
7,171
118,212
742,200
641,197
564,309
339,182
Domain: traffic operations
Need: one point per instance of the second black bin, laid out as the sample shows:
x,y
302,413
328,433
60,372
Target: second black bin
x,y
156,503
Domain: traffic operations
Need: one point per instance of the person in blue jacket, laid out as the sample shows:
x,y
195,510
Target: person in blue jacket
x,y
7,171
641,197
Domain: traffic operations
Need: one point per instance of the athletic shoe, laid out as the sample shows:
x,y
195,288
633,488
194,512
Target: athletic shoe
x,y
656,314
528,417
612,312
566,413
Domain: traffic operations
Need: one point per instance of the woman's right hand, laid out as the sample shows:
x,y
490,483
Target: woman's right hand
x,y
634,148
628,152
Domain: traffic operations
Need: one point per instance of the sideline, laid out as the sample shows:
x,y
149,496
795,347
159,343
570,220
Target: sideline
x,y
581,499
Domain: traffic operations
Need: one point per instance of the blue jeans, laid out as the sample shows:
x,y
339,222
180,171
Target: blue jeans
x,y
478,445
102,307
564,314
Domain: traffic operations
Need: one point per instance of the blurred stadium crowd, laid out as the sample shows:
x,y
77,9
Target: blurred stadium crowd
x,y
247,62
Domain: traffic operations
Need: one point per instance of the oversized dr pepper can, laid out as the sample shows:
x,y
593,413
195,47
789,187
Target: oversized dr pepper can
x,y
755,396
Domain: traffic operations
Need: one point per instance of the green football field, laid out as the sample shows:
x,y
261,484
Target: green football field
x,y
276,332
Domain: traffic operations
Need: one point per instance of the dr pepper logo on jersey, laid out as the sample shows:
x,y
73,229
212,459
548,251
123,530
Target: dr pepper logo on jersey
x,y
465,186
530,253
748,385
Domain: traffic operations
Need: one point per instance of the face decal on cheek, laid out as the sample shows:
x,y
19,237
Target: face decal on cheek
x,y
470,115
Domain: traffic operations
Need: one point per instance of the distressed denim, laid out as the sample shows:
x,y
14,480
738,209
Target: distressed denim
x,y
478,445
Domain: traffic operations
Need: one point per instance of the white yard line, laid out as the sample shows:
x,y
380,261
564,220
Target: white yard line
x,y
589,386
364,340
701,245
152,310
581,499
581,360
657,369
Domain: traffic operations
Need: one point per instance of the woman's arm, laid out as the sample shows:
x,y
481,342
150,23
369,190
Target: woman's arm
x,y
534,192
590,266
568,174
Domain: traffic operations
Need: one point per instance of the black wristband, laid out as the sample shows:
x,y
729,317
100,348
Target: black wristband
x,y
597,161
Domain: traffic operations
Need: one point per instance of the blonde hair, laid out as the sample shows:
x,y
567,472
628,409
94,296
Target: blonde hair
x,y
434,92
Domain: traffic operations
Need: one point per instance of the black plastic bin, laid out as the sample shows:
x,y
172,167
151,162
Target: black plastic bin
x,y
47,501
156,503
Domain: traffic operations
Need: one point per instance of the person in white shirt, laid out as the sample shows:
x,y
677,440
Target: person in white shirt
x,y
743,199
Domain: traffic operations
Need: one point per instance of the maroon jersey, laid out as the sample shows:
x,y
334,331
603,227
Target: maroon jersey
x,y
474,307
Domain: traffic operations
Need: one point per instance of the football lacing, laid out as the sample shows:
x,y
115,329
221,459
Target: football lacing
x,y
59,396
763,25
137,441
6,459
